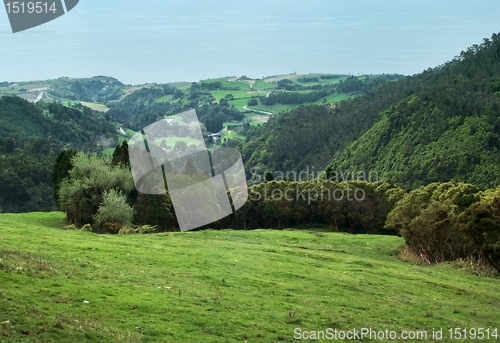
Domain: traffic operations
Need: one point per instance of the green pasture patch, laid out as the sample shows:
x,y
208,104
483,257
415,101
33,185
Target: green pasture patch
x,y
230,134
164,98
108,151
222,286
262,85
333,98
236,85
276,108
130,132
95,106
239,104
237,94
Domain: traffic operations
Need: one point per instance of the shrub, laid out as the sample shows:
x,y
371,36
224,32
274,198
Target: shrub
x,y
70,227
81,193
450,221
86,228
283,204
427,220
253,102
144,229
480,225
114,210
111,228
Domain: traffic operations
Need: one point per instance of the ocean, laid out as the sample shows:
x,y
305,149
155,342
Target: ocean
x,y
166,41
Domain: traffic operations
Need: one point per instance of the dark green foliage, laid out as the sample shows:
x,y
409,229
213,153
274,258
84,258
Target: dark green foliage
x,y
79,127
480,224
139,109
311,135
296,98
211,85
155,210
61,170
214,115
32,137
269,177
305,79
91,178
114,209
351,85
450,221
25,177
426,218
253,102
120,155
20,118
355,207
446,127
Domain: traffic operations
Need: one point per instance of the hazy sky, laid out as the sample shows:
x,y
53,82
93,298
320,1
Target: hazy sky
x,y
167,41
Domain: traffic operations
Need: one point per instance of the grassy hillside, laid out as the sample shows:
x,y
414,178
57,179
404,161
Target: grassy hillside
x,y
221,286
98,88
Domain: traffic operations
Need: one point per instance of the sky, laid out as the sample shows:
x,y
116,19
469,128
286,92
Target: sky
x,y
170,41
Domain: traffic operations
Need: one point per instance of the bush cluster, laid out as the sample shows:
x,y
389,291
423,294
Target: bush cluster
x,y
352,206
450,221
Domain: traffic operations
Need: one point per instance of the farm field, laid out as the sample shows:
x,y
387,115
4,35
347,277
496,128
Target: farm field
x,y
164,98
237,94
333,98
94,106
276,108
222,286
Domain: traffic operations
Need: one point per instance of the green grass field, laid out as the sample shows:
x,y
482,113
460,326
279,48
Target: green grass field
x,y
298,78
262,85
232,123
239,104
164,98
276,108
95,107
230,134
333,98
221,286
237,85
109,151
256,123
237,94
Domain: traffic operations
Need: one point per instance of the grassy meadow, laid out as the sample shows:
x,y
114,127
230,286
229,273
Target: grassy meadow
x,y
221,286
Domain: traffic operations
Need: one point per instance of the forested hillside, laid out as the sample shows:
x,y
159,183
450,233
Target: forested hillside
x,y
447,126
311,135
31,137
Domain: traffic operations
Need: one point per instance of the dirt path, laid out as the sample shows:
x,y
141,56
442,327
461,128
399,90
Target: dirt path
x,y
251,109
261,118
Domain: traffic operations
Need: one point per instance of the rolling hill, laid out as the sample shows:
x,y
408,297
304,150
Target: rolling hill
x,y
446,127
230,286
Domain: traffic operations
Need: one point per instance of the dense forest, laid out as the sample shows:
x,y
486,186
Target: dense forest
x,y
312,135
446,127
439,125
31,138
